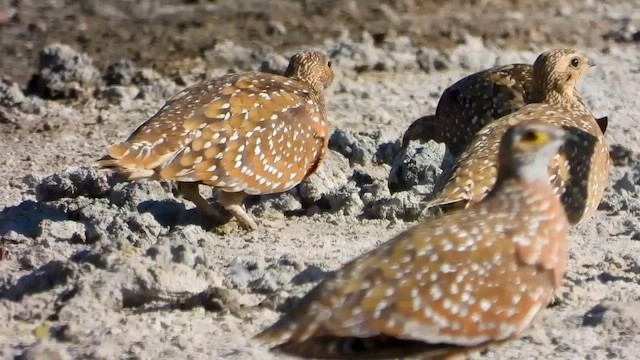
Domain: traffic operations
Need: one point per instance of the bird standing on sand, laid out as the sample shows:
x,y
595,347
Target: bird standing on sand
x,y
453,284
579,173
480,98
244,134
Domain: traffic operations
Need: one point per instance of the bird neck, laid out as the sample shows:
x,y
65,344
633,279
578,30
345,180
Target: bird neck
x,y
565,97
511,183
529,171
316,88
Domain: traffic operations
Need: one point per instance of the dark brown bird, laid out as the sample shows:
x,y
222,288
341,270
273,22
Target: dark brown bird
x,y
245,134
457,283
480,98
579,173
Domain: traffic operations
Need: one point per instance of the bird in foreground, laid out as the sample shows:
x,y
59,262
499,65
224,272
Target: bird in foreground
x,y
244,134
480,98
453,284
579,173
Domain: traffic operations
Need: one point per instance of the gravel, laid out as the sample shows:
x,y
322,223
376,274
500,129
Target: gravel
x,y
93,267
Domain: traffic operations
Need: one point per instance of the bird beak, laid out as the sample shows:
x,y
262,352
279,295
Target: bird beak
x,y
591,62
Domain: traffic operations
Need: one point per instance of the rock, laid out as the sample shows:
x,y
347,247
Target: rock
x,y
404,205
621,155
229,53
431,60
179,254
160,90
278,301
273,63
330,188
101,258
625,184
282,203
240,58
190,235
311,274
374,191
330,178
120,73
214,299
347,200
265,284
14,237
473,55
74,182
276,28
120,95
614,315
71,231
135,193
63,72
362,147
625,32
401,52
135,282
349,55
45,277
418,164
45,350
358,147
39,255
388,151
10,94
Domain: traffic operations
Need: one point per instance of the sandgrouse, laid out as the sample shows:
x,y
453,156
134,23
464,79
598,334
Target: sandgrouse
x,y
244,134
580,171
478,99
453,284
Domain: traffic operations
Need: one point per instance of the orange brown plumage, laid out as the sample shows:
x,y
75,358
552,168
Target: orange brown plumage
x,y
244,134
579,173
478,99
456,283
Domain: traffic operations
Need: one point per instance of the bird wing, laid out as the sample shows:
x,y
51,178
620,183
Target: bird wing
x,y
434,283
249,132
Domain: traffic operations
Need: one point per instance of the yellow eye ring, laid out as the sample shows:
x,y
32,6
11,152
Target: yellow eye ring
x,y
534,137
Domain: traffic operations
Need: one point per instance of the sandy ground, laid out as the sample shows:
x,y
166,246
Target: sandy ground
x,y
92,268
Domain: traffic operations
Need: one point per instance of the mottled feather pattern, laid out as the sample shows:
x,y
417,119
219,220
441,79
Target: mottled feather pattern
x,y
474,101
213,134
478,99
476,169
245,134
464,279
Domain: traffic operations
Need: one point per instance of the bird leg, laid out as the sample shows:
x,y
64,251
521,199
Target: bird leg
x,y
191,192
232,202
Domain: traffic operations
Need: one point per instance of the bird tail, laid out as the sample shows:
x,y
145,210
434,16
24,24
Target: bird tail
x,y
444,205
603,122
109,163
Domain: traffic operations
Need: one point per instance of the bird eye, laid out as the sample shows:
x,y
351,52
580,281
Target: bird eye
x,y
534,137
329,63
575,62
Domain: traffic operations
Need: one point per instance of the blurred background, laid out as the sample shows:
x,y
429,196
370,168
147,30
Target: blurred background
x,y
171,35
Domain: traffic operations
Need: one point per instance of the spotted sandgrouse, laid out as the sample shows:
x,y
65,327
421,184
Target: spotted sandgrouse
x,y
453,284
579,173
247,133
477,99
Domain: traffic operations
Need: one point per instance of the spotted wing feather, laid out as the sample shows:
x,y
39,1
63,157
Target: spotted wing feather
x,y
475,171
397,290
253,133
480,98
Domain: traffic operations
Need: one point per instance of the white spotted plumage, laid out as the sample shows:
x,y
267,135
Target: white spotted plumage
x,y
432,290
234,132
